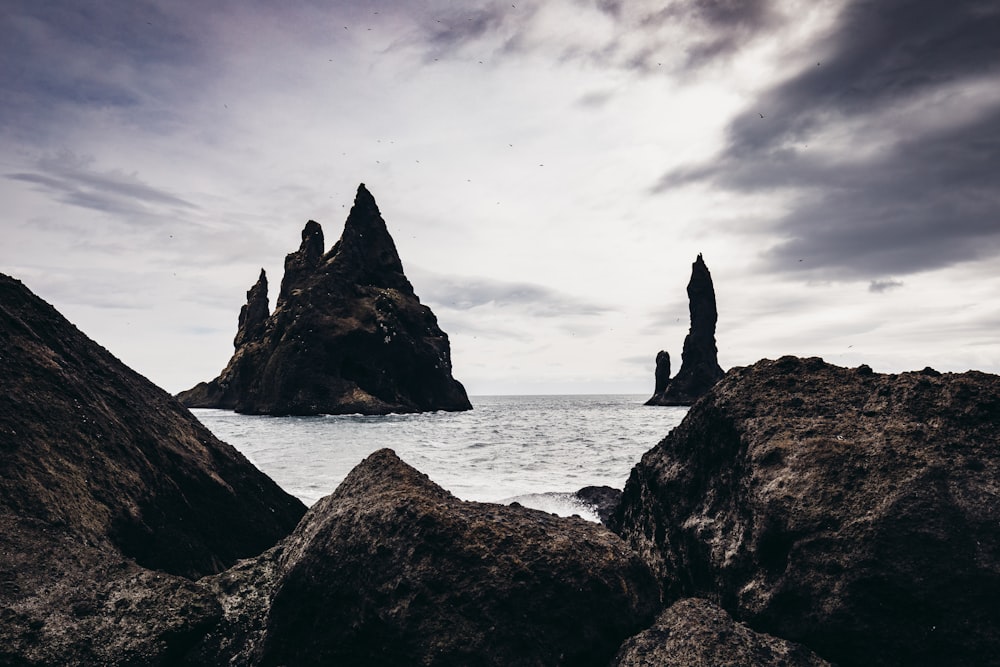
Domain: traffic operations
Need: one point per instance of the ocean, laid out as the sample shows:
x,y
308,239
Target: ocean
x,y
536,450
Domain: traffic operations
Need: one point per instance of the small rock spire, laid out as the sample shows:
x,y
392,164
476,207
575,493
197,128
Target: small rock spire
x,y
700,368
253,316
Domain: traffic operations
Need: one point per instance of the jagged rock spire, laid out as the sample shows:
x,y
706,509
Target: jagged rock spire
x,y
348,334
301,263
699,359
365,250
253,316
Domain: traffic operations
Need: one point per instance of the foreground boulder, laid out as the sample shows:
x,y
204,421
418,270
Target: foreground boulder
x,y
111,495
697,633
699,359
853,512
347,335
88,445
393,570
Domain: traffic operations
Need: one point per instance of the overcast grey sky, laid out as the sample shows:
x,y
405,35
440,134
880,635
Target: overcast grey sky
x,y
549,171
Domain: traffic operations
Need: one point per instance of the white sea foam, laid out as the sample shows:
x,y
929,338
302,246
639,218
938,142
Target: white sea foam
x,y
536,450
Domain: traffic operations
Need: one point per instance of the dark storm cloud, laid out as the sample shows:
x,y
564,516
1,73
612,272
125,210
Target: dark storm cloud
x,y
931,196
56,56
644,37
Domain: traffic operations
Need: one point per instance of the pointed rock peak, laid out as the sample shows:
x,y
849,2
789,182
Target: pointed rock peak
x,y
366,249
302,263
699,358
312,242
253,316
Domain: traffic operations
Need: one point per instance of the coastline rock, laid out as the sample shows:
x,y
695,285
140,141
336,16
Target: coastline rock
x,y
604,500
89,444
697,633
853,512
391,569
347,335
700,368
111,496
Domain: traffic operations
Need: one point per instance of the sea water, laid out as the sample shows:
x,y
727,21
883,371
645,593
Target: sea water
x,y
536,450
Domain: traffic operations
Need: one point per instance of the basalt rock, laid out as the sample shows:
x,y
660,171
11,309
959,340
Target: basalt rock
x,y
111,496
391,569
700,368
698,633
856,513
347,335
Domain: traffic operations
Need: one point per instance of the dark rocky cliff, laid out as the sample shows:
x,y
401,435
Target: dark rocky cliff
x,y
347,335
854,512
699,358
110,493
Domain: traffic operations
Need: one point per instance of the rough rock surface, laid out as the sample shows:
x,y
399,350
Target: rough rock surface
x,y
853,512
103,475
87,443
393,570
697,633
699,359
347,335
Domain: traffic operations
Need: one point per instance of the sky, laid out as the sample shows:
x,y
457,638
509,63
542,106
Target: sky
x,y
549,171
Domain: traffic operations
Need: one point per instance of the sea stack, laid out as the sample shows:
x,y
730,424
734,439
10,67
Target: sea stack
x,y
347,335
700,368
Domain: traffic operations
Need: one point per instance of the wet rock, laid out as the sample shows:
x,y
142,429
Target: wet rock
x,y
604,500
393,570
699,359
347,335
854,512
698,633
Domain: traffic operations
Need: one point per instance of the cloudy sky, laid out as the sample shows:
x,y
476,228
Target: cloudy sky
x,y
549,170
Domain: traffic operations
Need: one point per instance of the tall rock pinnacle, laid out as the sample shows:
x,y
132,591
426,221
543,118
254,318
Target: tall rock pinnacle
x,y
347,335
699,359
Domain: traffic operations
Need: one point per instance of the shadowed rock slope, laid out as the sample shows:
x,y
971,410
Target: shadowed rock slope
x,y
102,475
697,633
854,512
393,570
347,335
699,358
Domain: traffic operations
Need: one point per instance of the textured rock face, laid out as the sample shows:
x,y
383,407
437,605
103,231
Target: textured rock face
x,y
854,512
393,570
697,633
103,475
699,359
87,443
348,335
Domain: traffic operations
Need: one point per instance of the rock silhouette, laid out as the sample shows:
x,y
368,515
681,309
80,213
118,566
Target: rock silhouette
x,y
347,335
853,512
111,496
699,359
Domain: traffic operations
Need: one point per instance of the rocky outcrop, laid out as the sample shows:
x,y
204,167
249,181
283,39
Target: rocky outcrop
x,y
853,512
603,499
111,495
347,335
698,633
393,570
699,359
